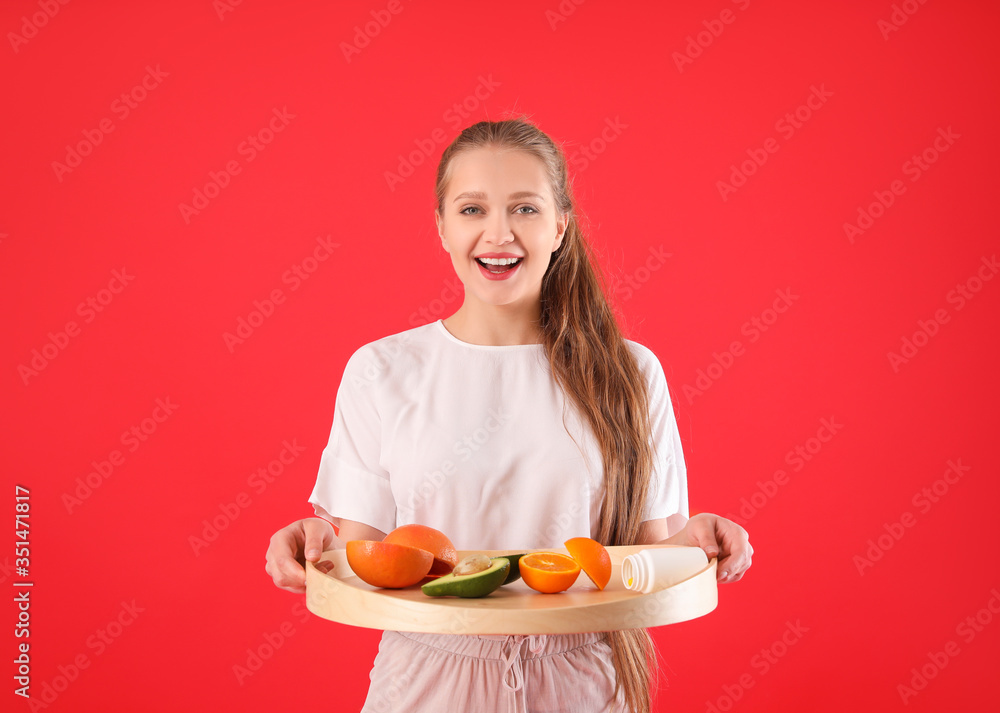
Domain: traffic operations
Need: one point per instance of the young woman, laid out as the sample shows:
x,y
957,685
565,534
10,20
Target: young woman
x,y
523,419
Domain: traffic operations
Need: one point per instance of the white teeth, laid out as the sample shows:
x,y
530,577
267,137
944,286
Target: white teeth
x,y
498,260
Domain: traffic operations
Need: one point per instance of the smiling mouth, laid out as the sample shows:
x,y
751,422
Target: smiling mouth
x,y
499,269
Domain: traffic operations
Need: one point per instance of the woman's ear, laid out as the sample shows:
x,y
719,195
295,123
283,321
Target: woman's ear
x,y
561,224
440,228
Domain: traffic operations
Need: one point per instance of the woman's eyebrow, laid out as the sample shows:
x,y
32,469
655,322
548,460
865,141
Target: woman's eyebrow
x,y
479,195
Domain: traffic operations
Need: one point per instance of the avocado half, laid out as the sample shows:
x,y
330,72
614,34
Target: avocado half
x,y
515,571
470,585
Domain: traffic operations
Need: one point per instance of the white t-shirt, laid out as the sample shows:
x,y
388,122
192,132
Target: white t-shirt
x,y
470,439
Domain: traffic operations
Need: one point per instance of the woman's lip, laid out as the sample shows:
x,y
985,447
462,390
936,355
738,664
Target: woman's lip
x,y
501,275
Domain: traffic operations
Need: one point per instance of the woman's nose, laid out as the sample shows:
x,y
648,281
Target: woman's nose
x,y
498,229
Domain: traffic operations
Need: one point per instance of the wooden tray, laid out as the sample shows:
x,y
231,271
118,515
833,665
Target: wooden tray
x,y
514,608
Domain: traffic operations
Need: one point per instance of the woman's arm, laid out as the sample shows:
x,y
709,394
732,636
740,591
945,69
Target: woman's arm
x,y
350,530
652,532
305,540
716,535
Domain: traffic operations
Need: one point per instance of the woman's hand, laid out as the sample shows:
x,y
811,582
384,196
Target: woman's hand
x,y
291,546
720,538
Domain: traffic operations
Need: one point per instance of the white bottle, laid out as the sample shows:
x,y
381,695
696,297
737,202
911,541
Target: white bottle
x,y
654,569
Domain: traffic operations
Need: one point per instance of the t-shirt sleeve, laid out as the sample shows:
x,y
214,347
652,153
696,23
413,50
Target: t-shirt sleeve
x,y
351,483
668,493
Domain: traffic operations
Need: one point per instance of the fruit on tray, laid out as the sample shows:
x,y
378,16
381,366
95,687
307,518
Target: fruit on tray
x,y
427,538
548,572
482,575
472,564
412,553
593,559
515,572
388,564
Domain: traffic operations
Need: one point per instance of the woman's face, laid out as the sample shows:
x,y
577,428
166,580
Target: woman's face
x,y
499,203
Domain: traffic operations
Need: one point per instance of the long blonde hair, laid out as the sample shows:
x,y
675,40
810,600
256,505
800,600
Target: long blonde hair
x,y
592,363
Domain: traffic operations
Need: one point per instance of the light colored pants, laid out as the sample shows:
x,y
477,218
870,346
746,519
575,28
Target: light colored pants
x,y
445,673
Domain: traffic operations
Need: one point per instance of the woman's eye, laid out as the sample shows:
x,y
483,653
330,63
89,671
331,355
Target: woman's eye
x,y
531,210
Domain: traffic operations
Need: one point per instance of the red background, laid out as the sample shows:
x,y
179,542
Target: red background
x,y
652,187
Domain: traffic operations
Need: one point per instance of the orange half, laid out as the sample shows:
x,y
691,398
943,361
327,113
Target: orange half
x,y
427,538
593,559
548,572
385,564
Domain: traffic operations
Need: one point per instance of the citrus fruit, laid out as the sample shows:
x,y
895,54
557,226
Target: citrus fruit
x,y
427,538
387,564
548,572
592,558
478,584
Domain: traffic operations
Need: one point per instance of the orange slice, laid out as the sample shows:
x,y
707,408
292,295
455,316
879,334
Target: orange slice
x,y
386,564
593,558
427,538
548,572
